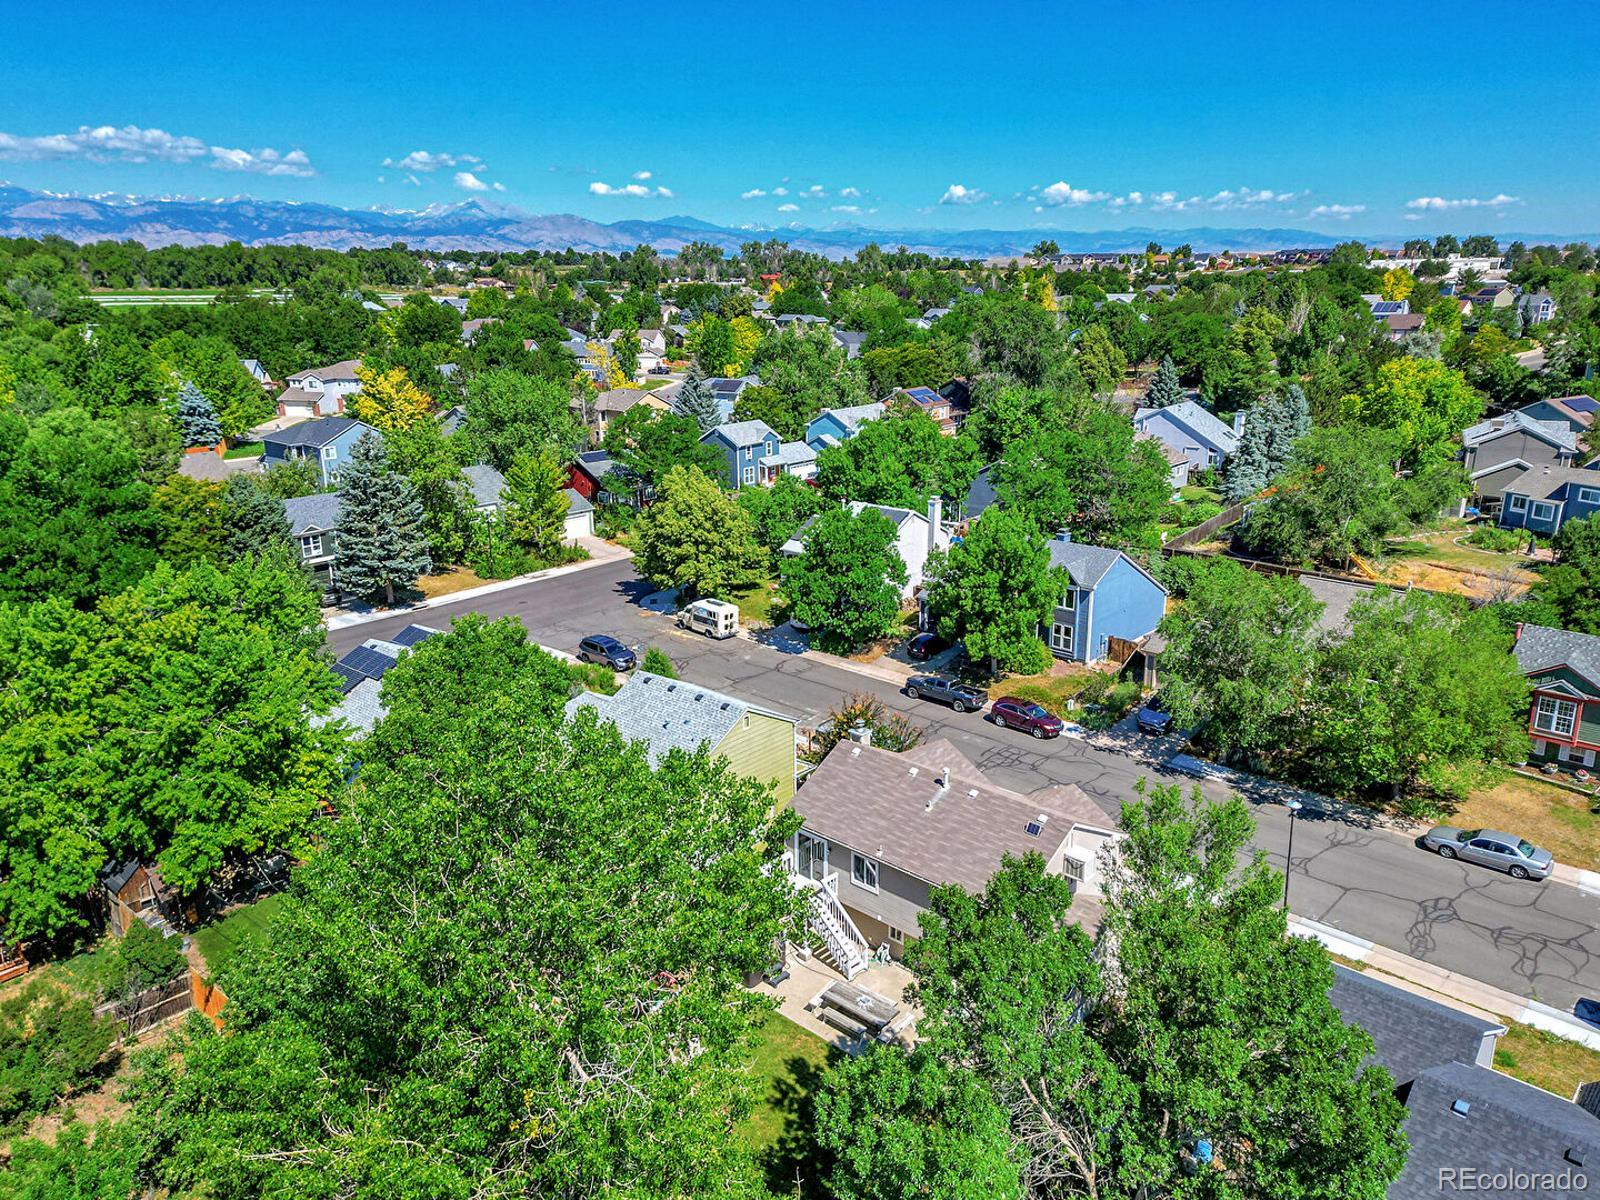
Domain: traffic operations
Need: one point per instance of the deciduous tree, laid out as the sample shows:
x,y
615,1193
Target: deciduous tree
x,y
536,503
848,582
695,537
389,399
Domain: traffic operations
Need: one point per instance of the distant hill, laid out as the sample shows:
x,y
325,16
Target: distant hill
x,y
477,225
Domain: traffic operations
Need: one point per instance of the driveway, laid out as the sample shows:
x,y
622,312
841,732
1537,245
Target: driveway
x,y
1351,869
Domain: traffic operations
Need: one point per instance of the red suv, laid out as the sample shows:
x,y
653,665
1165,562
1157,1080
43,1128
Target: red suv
x,y
1016,713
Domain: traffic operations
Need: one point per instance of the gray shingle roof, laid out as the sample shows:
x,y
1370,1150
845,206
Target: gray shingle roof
x,y
854,416
1509,1126
318,431
360,707
486,484
790,454
1410,1033
742,433
576,503
877,802
1539,647
1085,563
668,714
1559,432
313,514
344,371
1190,413
1544,482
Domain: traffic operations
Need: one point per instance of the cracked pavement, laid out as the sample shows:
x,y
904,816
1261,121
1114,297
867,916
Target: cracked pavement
x,y
1350,870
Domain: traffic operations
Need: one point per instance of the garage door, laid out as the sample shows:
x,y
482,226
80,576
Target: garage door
x,y
580,525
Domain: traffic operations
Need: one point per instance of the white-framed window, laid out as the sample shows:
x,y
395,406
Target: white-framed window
x,y
1543,510
864,871
1589,495
1069,598
311,546
1061,638
747,476
329,453
1555,716
1574,754
1519,503
897,935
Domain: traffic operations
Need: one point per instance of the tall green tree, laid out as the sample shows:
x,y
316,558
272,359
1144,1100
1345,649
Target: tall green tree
x,y
253,521
695,537
509,412
995,590
536,503
848,582
779,510
1426,403
805,372
196,418
646,443
695,401
1272,425
1164,390
1100,361
901,459
383,541
425,455
191,516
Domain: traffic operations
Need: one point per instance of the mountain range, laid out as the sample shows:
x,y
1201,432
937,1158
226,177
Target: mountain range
x,y
479,225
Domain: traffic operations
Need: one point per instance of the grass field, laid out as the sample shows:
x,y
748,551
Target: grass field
x,y
787,1067
1545,1060
1053,689
219,943
756,602
456,579
1548,816
243,450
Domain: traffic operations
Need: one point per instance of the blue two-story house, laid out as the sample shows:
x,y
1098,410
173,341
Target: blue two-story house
x,y
1545,499
834,425
744,444
1110,596
328,441
1191,431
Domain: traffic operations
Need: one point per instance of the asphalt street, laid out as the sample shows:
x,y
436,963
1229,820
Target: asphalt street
x,y
1536,940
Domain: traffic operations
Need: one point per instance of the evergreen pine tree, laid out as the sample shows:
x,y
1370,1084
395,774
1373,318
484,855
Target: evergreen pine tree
x,y
197,420
383,542
1164,388
536,503
1250,470
695,400
253,521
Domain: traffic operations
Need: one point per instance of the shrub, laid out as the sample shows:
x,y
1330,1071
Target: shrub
x,y
592,677
657,663
1503,541
50,1044
890,731
142,959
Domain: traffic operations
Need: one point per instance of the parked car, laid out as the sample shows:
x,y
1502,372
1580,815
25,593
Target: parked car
x,y
1493,848
1016,713
925,645
1154,717
959,696
602,648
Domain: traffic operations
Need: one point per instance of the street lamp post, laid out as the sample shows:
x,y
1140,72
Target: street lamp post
x,y
1294,807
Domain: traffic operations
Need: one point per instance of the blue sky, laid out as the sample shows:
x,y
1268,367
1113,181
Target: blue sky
x,y
1467,116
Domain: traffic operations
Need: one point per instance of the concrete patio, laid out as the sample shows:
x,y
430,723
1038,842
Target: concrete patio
x,y
809,976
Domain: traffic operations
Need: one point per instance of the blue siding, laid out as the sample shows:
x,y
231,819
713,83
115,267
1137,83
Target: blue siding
x,y
1200,451
332,458
1126,603
826,424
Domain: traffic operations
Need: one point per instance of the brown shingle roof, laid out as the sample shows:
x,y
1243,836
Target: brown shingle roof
x,y
877,802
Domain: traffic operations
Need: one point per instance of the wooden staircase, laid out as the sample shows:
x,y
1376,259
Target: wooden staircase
x,y
827,918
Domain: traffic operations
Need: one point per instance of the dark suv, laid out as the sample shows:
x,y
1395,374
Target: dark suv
x,y
1016,713
959,696
601,648
1155,716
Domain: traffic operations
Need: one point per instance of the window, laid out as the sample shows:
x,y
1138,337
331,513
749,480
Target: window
x,y
864,871
329,453
1574,754
1555,716
897,936
1070,598
311,547
1543,510
747,476
1072,868
1589,495
1061,638
1519,503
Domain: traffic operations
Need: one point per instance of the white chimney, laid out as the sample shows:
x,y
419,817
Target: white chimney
x,y
861,733
944,788
935,519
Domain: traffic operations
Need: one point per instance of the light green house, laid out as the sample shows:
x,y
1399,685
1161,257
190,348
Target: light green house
x,y
671,714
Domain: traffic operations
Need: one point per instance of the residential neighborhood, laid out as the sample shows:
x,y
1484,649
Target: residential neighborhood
x,y
542,658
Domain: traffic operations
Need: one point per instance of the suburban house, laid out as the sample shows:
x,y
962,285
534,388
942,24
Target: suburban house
x,y
1577,411
1546,498
880,829
1466,1123
653,340
459,303
257,372
1563,668
672,714
929,401
756,455
314,529
1192,431
1537,307
361,674
1382,308
319,393
598,410
834,425
329,441
1400,324
1110,597
485,485
1499,294
849,341
725,391
916,537
134,892
590,475
1178,464
1499,451
469,329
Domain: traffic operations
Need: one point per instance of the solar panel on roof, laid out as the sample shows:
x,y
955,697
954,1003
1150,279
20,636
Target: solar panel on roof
x,y
367,662
1583,404
1035,829
411,635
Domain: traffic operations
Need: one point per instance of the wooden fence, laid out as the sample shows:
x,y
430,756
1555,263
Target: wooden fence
x,y
1203,531
149,1008
206,997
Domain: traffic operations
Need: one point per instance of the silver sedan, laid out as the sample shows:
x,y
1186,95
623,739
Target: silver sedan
x,y
1492,848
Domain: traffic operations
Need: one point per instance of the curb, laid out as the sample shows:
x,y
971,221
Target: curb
x,y
1346,945
344,620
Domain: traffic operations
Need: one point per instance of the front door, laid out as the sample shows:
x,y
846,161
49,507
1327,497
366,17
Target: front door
x,y
811,856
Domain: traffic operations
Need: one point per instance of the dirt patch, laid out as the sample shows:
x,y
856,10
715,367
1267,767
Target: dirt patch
x,y
457,579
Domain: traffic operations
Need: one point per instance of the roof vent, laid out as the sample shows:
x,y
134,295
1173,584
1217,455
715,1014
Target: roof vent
x,y
700,696
972,793
1574,1155
913,771
1460,1107
855,751
724,706
672,687
1036,826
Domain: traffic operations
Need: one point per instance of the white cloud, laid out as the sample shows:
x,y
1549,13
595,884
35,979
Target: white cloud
x,y
814,192
262,162
847,208
641,175
1060,193
752,194
780,191
422,161
1440,204
958,193
788,208
627,189
129,143
1342,212
1227,200
849,193
467,181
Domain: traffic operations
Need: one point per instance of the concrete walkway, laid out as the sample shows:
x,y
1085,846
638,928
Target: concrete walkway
x,y
1448,987
600,553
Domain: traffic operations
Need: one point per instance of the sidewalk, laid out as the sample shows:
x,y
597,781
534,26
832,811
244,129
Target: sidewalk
x,y
1448,987
600,553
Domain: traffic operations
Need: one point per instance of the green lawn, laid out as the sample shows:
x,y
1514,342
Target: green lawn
x,y
1545,1060
220,941
755,602
787,1065
243,450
